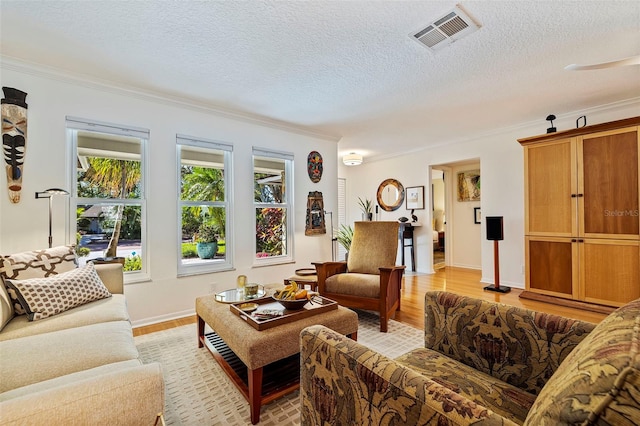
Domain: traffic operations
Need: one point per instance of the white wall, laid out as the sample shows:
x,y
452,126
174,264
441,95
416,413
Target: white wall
x,y
51,98
501,159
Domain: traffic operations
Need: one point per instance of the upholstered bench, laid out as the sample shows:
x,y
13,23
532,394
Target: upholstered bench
x,y
257,349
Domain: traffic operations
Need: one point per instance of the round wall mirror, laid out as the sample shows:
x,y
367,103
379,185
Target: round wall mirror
x,y
390,195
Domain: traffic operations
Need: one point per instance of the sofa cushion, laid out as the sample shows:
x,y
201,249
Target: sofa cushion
x,y
68,379
599,382
36,264
486,391
363,285
113,308
518,346
345,383
32,359
7,312
45,297
115,394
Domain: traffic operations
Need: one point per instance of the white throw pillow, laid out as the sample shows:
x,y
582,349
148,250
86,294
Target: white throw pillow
x,y
44,297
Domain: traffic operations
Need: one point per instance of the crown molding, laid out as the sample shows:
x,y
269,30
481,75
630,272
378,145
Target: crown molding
x,y
521,127
68,77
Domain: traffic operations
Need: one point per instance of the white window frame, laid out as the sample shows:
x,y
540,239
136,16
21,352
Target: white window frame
x,y
214,265
288,204
75,124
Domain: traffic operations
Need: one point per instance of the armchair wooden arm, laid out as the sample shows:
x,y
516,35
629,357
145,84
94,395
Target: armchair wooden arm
x,y
390,285
326,269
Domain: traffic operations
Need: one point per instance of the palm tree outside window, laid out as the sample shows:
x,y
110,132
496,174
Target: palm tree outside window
x,y
109,193
204,177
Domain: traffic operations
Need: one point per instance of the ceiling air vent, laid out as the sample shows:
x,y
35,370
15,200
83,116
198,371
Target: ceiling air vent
x,y
446,30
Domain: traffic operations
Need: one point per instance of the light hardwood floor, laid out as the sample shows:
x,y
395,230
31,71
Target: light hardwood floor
x,y
456,280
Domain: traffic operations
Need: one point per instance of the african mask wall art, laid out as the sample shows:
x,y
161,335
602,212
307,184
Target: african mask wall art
x,y
315,214
314,166
14,138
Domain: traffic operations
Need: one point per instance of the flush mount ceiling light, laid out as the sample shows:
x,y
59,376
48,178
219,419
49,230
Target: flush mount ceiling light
x,y
352,159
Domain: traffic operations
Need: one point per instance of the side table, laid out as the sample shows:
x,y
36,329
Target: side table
x,y
304,280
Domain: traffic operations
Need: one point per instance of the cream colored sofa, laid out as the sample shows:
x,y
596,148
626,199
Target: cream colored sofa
x,y
78,367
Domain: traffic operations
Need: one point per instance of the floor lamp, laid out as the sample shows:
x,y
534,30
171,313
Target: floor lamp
x,y
49,193
333,239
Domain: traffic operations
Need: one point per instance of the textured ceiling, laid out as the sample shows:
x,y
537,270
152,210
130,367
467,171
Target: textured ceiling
x,y
343,68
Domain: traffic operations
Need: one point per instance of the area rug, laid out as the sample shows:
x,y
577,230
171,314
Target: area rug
x,y
197,392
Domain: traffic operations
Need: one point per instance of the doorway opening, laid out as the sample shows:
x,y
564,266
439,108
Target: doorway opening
x,y
438,215
455,207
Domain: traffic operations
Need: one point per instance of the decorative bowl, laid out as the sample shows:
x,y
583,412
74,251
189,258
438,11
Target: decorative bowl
x,y
292,305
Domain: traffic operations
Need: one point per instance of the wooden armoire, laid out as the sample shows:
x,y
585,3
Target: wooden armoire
x,y
582,221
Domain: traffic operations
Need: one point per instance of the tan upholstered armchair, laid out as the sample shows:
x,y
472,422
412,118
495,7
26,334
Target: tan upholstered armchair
x,y
369,279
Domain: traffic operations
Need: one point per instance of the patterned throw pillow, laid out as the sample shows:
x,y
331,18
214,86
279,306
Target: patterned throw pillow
x,y
36,264
44,297
6,307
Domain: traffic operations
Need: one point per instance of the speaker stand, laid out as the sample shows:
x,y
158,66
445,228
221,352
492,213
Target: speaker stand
x,y
496,272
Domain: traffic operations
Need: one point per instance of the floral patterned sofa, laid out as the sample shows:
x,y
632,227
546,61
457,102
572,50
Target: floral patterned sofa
x,y
483,363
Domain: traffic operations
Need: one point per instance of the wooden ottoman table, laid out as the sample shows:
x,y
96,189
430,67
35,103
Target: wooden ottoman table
x,y
272,348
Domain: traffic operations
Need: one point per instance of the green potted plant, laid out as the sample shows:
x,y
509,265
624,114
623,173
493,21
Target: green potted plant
x,y
344,236
207,241
367,208
81,251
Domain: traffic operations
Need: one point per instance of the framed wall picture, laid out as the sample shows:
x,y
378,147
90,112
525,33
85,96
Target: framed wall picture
x,y
469,185
477,215
414,197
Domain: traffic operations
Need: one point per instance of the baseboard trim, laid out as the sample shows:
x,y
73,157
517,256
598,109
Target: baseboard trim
x,y
567,302
163,318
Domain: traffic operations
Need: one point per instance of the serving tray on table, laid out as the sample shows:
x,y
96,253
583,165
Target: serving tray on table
x,y
317,305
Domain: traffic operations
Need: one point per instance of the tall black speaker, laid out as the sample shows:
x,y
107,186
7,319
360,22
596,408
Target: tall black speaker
x,y
495,230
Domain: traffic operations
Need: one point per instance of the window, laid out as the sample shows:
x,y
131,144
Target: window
x,y
204,205
273,201
108,180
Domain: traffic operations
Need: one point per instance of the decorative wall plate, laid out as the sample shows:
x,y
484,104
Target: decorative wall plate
x,y
390,195
314,166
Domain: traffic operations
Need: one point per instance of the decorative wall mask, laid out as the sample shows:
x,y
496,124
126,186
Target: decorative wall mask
x,y
315,214
14,138
314,166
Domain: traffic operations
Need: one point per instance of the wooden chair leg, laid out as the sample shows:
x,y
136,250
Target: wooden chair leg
x,y
384,322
